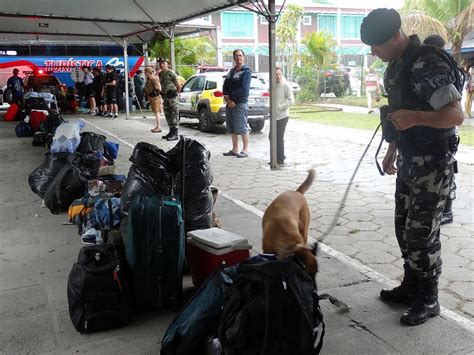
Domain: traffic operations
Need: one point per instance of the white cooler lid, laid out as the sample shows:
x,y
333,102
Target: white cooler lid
x,y
217,238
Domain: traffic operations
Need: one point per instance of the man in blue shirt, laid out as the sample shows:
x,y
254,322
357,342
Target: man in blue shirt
x,y
15,84
236,92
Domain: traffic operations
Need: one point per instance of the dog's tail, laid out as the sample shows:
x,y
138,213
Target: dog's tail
x,y
308,182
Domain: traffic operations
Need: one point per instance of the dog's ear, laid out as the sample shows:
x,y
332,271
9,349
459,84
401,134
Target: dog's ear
x,y
309,260
300,246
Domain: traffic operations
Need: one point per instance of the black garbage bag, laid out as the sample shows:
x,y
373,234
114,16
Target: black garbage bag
x,y
41,177
196,194
139,183
153,162
69,184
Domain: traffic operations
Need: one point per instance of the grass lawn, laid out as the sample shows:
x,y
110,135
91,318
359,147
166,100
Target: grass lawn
x,y
359,121
352,100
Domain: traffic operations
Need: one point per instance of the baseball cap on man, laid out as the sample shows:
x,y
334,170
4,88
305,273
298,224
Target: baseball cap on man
x,y
379,26
162,60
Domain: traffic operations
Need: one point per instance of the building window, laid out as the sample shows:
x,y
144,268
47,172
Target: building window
x,y
328,23
307,20
350,26
206,18
237,24
263,20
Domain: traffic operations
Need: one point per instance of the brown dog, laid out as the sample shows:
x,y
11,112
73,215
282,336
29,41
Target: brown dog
x,y
285,226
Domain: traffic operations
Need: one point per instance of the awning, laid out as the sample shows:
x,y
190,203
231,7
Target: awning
x,y
352,50
263,49
248,49
134,20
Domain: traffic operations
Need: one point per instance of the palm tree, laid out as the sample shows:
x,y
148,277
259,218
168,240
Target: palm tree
x,y
452,19
319,49
189,52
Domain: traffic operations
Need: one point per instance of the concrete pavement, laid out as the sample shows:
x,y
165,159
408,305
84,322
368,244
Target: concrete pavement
x,y
359,257
365,229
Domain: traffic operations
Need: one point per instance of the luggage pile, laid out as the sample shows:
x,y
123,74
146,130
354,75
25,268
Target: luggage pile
x,y
133,229
39,117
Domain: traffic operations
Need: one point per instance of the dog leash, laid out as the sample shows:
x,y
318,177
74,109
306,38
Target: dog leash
x,y
348,188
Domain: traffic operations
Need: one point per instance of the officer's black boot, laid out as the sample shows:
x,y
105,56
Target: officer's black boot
x,y
173,134
405,292
167,135
425,305
447,212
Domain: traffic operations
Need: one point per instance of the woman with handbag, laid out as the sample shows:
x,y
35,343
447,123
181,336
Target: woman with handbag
x,y
372,88
152,90
469,92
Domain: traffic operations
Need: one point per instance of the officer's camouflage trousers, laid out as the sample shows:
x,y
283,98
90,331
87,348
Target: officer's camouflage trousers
x,y
423,183
171,110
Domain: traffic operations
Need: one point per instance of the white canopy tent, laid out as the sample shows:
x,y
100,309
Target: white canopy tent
x,y
122,21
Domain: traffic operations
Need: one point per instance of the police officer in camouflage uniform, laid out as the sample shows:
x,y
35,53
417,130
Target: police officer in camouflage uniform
x,y
424,110
170,88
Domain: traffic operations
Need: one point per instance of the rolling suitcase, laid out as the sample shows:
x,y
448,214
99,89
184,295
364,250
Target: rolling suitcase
x,y
12,112
155,250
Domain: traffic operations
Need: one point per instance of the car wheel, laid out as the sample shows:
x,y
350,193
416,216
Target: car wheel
x,y
205,121
7,96
257,126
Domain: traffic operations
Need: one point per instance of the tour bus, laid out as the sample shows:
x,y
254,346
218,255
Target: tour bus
x,y
65,68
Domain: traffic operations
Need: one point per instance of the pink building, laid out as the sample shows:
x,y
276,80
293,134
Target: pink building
x,y
240,28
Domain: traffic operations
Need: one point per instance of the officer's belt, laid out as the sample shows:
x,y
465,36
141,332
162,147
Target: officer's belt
x,y
437,148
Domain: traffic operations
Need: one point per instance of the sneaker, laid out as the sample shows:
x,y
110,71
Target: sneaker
x,y
99,114
92,113
230,153
109,115
115,116
242,154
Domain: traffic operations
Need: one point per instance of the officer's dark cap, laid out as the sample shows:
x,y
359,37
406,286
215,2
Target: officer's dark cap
x,y
379,26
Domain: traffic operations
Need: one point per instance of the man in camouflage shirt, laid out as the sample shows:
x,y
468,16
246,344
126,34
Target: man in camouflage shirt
x,y
424,110
170,88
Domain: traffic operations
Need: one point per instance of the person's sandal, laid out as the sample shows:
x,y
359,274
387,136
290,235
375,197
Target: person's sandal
x,y
230,153
154,130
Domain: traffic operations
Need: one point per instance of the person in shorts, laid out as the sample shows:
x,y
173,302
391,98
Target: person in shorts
x,y
89,86
111,92
99,90
236,92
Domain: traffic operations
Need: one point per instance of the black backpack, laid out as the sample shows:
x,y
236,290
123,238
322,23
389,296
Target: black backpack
x,y
98,290
91,142
272,308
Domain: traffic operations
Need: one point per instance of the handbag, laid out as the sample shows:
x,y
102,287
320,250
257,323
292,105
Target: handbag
x,y
154,93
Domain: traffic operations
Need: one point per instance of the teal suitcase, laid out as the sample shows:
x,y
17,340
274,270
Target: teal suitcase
x,y
155,249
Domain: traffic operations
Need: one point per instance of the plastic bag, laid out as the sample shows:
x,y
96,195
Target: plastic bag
x,y
196,195
137,183
67,137
42,176
152,161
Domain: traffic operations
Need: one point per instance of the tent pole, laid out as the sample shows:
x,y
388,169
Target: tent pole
x,y
272,66
125,58
172,54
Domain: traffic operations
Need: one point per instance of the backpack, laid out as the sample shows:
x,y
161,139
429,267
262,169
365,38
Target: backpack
x,y
98,290
91,142
23,129
272,308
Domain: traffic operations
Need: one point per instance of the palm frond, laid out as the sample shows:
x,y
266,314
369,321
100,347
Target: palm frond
x,y
416,22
